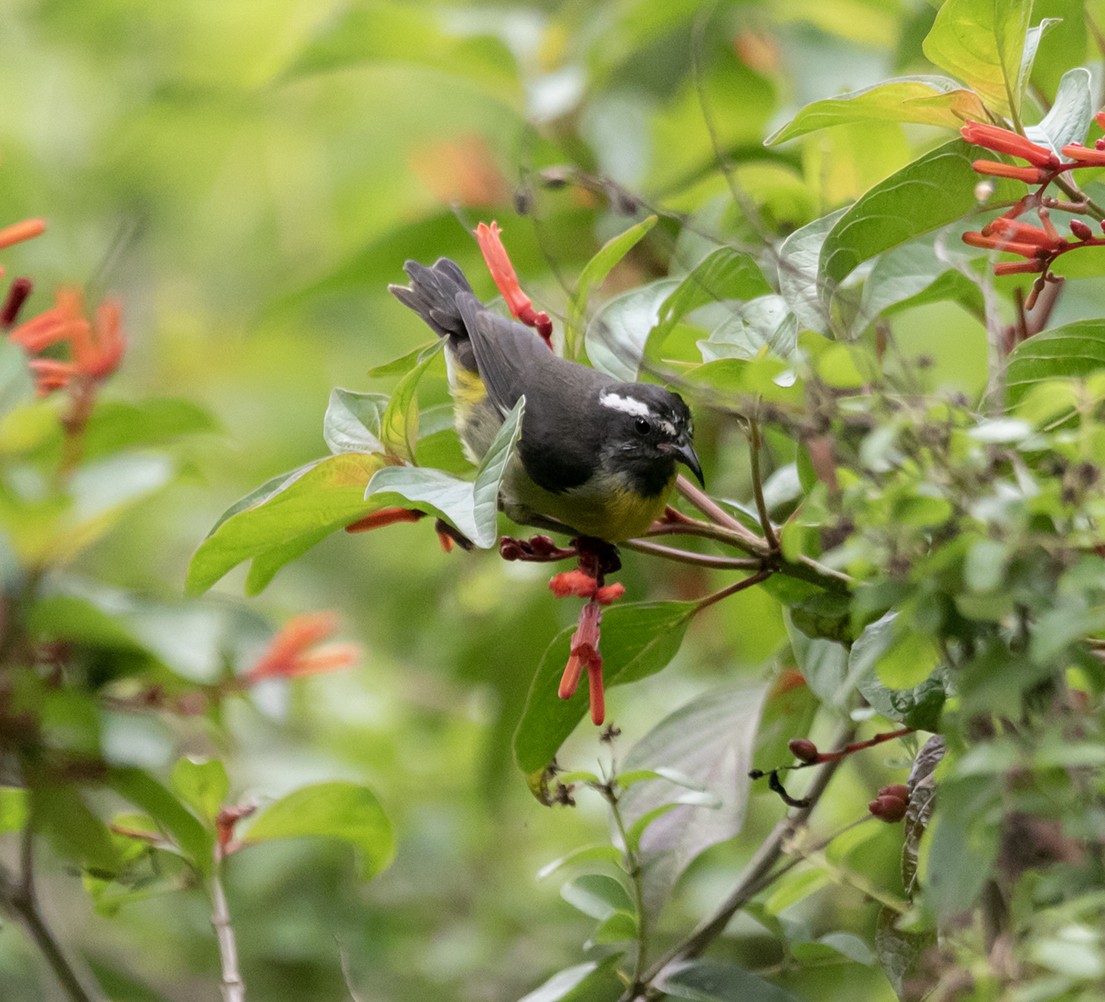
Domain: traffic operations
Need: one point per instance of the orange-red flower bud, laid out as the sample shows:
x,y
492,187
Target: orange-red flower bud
x,y
1084,155
1030,175
1000,140
502,271
18,232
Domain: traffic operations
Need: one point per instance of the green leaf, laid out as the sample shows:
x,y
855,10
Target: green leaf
x,y
1073,350
901,207
605,854
593,275
13,808
762,324
352,421
202,784
709,742
638,640
1069,116
472,508
116,425
404,363
982,43
723,274
912,275
619,333
399,422
142,790
285,516
74,831
593,981
927,100
597,896
799,276
337,810
963,843
713,981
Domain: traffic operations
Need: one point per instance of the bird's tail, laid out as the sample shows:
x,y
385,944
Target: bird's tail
x,y
433,293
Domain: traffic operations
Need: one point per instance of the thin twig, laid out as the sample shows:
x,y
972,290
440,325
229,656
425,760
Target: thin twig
x,y
754,443
232,985
749,541
737,586
688,557
19,898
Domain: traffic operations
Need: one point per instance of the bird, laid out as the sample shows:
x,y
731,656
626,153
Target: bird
x,y
596,457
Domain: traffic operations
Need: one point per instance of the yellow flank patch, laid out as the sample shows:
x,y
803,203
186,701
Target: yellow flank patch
x,y
468,387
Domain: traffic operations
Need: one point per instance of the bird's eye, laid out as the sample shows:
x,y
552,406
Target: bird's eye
x,y
642,426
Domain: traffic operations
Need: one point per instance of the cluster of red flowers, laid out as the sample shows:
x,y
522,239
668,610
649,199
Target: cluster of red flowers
x,y
95,346
294,651
1041,244
584,650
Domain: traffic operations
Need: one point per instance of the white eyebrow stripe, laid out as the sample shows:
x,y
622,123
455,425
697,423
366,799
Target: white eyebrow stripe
x,y
627,405
667,427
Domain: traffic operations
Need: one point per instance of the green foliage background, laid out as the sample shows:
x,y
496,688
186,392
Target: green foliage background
x,y
248,178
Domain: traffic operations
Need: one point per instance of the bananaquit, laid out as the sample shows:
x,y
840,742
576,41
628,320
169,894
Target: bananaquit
x,y
596,457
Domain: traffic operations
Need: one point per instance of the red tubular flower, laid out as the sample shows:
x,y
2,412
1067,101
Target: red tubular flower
x,y
1030,175
502,271
1013,230
1100,119
585,654
1000,140
293,652
995,242
95,348
1084,155
1019,267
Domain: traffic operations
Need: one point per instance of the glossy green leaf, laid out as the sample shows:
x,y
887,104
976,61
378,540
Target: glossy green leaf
x,y
618,334
399,421
714,981
912,275
762,324
202,784
799,274
404,363
593,275
286,516
1073,350
1070,113
597,895
352,421
637,641
982,43
931,192
338,810
927,100
722,276
708,741
471,507
588,982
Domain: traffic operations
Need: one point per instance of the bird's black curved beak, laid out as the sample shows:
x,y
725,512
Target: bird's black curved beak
x,y
684,453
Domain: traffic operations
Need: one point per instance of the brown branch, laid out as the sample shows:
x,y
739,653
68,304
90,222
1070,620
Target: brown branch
x,y
19,898
689,557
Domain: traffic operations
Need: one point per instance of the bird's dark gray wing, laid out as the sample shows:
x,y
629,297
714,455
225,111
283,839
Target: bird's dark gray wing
x,y
559,434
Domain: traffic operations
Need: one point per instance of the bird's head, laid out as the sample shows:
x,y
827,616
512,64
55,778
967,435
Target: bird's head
x,y
648,430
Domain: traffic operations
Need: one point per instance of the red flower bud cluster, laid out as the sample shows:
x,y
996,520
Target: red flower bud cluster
x,y
293,652
95,346
502,271
584,650
1038,245
891,803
